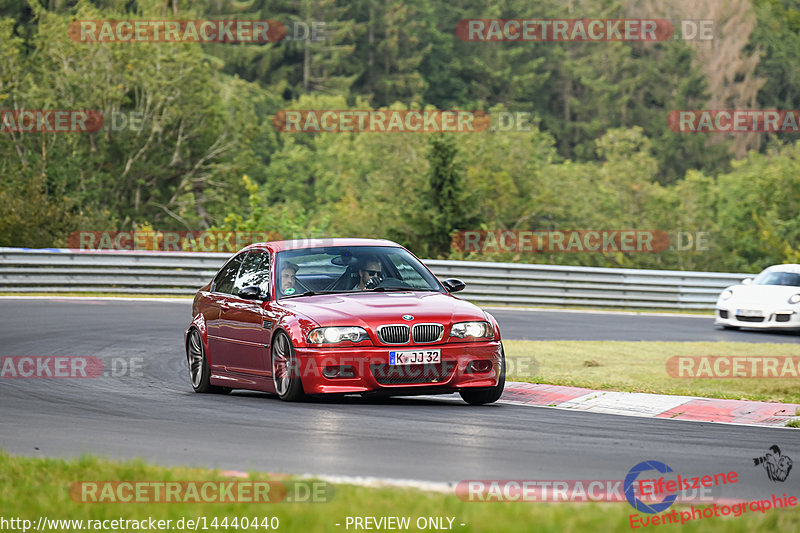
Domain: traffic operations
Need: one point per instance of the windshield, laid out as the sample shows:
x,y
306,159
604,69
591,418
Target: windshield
x,y
791,279
351,269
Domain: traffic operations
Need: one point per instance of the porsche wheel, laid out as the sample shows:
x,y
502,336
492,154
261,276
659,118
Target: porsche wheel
x,y
490,395
199,372
285,370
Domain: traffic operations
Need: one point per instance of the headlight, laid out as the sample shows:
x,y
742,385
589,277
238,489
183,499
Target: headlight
x,y
727,293
335,334
471,329
794,299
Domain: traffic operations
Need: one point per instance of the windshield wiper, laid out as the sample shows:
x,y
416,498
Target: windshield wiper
x,y
312,293
409,289
376,289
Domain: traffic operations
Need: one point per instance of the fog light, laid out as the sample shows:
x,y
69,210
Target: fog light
x,y
479,367
339,372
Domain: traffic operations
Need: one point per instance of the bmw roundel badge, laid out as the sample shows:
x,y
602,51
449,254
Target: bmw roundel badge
x,y
408,317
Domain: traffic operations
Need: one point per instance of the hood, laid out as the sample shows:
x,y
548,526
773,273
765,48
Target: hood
x,y
756,295
373,308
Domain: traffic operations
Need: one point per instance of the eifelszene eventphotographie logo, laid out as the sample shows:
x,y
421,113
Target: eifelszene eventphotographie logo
x,y
643,493
776,464
630,485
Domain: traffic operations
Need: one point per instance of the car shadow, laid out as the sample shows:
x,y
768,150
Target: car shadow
x,y
368,399
761,332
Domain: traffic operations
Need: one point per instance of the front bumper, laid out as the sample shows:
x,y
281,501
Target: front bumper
x,y
766,319
370,366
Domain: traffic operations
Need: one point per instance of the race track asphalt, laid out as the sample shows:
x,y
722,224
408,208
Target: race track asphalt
x,y
155,415
530,324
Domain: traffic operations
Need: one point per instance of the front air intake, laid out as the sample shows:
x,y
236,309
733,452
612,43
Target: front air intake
x,y
394,334
427,332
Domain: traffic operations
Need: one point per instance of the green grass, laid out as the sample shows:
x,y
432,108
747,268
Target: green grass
x,y
34,487
641,367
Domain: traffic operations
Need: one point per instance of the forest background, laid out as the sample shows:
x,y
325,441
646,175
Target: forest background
x,y
597,154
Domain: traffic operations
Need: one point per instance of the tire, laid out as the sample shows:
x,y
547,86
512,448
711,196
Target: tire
x,y
285,370
199,372
490,395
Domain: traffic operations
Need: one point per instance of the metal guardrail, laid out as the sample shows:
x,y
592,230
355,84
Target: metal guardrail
x,y
511,283
166,273
56,271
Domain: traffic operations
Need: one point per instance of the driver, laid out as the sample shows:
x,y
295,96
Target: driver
x,y
369,269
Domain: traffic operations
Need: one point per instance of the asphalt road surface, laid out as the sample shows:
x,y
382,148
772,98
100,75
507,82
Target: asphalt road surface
x,y
155,415
529,324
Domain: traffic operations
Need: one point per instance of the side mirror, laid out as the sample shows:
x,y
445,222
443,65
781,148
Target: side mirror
x,y
454,285
747,281
250,293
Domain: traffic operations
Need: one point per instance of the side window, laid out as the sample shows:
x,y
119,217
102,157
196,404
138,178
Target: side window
x,y
254,271
224,280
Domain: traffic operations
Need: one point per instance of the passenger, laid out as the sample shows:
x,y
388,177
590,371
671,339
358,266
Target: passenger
x,y
289,284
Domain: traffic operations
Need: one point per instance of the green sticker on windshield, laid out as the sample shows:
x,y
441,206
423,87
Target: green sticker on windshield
x,y
290,290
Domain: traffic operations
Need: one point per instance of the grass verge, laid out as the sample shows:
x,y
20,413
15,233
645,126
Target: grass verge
x,y
34,487
641,367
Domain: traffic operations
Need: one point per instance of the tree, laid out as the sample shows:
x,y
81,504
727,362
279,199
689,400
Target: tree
x,y
446,198
395,38
777,36
758,206
728,61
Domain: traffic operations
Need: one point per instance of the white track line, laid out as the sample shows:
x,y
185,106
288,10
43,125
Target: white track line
x,y
365,481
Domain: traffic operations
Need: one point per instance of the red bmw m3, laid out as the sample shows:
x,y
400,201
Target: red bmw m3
x,y
340,316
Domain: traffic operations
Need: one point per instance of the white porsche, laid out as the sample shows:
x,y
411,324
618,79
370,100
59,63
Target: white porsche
x,y
771,300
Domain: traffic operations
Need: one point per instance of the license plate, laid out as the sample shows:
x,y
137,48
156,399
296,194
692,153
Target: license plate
x,y
748,312
415,357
